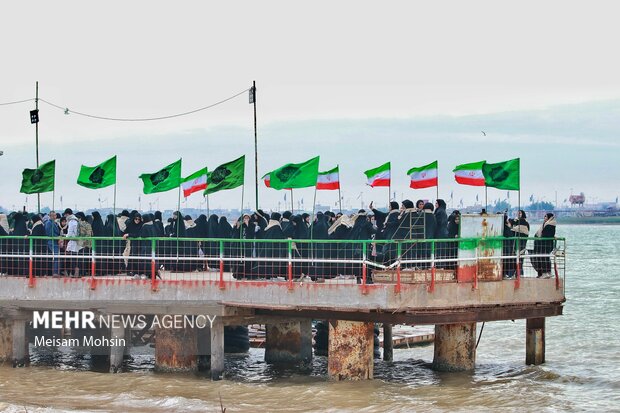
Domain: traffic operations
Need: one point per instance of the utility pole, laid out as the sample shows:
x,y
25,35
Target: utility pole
x,y
36,107
253,100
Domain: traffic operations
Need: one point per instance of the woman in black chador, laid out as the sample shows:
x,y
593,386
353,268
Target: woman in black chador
x,y
39,247
179,248
542,265
111,248
273,231
243,231
321,248
361,230
224,231
144,246
18,265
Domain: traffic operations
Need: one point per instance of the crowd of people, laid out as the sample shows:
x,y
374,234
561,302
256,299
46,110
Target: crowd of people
x,y
128,238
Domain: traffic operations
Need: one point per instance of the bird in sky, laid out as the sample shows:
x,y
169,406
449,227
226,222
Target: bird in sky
x,y
483,133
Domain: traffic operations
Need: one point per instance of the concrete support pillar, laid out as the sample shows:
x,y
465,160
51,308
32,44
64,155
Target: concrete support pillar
x,y
204,348
351,345
176,349
20,343
127,352
455,347
289,342
217,349
388,345
117,333
535,341
6,340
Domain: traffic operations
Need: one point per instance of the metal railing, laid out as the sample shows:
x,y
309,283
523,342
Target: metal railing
x,y
363,262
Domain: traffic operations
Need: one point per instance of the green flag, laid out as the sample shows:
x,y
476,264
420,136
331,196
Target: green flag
x,y
226,176
163,180
98,176
39,180
291,175
502,175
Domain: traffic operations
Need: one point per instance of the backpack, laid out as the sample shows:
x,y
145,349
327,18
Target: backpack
x,y
85,230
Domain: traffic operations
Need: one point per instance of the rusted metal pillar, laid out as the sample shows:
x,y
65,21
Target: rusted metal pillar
x,y
176,349
117,333
351,345
388,345
217,349
20,343
455,347
289,342
535,341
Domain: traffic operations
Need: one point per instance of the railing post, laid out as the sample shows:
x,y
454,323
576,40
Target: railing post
x,y
221,243
477,256
399,251
557,275
30,272
153,270
364,269
432,286
290,264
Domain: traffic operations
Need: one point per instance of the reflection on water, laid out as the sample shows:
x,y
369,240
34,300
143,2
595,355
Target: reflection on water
x,y
581,372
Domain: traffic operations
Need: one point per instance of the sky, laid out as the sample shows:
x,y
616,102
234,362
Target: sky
x,y
358,83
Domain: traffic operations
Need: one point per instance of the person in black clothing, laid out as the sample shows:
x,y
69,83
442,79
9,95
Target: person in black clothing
x,y
319,231
111,247
224,231
273,231
134,225
159,226
521,229
244,231
508,249
287,225
97,224
19,265
542,265
39,247
361,230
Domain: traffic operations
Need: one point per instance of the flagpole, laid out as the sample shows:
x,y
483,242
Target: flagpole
x,y
292,206
312,221
437,181
339,197
208,212
486,202
114,208
54,198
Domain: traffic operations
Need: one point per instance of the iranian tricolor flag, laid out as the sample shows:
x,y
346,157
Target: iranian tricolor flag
x,y
195,182
328,179
469,174
379,176
267,180
423,176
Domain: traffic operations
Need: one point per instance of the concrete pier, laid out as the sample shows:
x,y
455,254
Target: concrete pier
x,y
217,349
6,340
117,353
289,342
351,345
176,349
535,341
455,347
388,345
20,343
